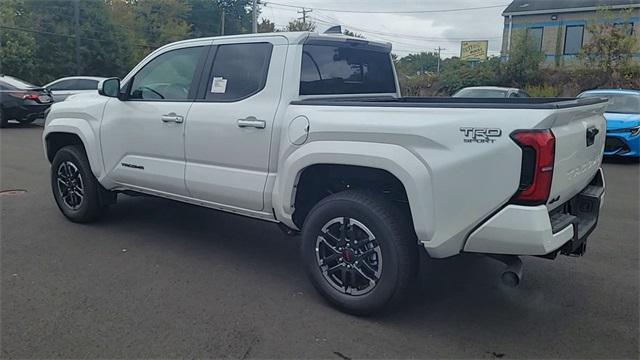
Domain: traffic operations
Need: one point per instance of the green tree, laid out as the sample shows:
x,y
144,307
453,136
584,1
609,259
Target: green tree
x,y
414,64
612,44
351,33
205,17
266,26
299,25
37,41
17,48
524,61
457,74
237,16
106,46
162,21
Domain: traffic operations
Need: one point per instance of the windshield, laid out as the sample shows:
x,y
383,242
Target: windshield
x,y
618,103
20,84
481,93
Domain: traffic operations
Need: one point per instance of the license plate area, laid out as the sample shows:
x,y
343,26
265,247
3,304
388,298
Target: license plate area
x,y
582,213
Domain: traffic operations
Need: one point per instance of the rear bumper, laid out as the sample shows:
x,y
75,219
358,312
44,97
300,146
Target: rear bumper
x,y
24,112
532,230
622,144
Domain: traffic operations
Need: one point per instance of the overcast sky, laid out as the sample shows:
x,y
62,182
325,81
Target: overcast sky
x,y
409,32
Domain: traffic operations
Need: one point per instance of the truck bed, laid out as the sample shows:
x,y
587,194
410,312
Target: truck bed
x,y
451,102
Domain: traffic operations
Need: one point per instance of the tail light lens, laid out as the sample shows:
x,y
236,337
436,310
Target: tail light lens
x,y
25,95
538,156
31,96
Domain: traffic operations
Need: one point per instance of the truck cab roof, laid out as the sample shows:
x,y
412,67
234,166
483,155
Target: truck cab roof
x,y
292,37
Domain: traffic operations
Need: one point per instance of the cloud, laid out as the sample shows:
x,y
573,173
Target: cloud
x,y
408,32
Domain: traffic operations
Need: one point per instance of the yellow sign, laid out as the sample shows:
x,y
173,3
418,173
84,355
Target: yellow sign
x,y
474,50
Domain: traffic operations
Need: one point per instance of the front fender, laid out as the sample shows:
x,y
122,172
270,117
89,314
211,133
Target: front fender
x,y
87,134
398,161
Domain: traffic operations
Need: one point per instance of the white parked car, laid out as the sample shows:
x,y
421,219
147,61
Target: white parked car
x,y
490,92
67,86
310,132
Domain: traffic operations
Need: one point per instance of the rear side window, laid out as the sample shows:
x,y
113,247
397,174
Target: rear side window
x,y
75,84
85,84
239,71
62,85
335,69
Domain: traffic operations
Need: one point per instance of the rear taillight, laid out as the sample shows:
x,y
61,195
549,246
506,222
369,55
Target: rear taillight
x,y
31,96
538,155
25,95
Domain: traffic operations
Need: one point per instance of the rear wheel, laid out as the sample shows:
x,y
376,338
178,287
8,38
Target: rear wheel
x,y
74,187
359,251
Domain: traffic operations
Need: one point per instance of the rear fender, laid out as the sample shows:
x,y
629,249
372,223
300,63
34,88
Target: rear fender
x,y
394,159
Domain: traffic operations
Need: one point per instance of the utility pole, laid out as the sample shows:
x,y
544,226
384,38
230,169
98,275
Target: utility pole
x,y
439,49
304,14
222,22
76,14
255,16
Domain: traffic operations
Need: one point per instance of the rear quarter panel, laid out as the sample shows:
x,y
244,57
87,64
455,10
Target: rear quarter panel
x,y
466,180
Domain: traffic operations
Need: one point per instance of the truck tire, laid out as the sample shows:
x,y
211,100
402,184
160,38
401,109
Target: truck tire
x,y
367,265
75,189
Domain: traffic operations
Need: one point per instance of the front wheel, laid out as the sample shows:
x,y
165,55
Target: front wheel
x,y
359,250
75,189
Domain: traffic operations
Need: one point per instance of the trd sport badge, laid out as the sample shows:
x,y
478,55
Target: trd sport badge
x,y
480,135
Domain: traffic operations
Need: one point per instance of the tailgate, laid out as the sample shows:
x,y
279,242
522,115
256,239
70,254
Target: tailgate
x,y
580,134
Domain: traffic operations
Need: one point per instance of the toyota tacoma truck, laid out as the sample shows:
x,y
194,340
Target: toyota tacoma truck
x,y
310,131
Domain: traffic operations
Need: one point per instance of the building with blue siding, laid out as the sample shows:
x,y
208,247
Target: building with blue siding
x,y
560,27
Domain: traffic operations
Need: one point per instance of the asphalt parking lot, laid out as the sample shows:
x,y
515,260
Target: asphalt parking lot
x,y
158,278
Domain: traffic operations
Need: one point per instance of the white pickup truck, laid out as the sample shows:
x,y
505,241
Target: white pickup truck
x,y
310,131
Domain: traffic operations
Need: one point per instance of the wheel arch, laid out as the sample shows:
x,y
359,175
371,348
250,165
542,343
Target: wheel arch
x,y
78,132
387,163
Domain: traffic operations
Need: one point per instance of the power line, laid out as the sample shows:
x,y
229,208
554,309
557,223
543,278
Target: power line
x,y
394,12
391,38
304,12
405,36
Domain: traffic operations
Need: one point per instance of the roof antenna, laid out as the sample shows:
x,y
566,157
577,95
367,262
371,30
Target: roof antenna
x,y
334,30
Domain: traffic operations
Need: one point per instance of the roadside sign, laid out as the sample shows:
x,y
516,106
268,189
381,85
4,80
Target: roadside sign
x,y
474,50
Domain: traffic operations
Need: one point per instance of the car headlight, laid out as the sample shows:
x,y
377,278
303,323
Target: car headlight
x,y
635,131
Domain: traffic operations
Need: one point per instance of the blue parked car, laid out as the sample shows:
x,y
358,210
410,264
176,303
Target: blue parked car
x,y
623,121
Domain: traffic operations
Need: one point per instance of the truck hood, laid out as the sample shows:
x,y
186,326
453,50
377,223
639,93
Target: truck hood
x,y
84,96
617,121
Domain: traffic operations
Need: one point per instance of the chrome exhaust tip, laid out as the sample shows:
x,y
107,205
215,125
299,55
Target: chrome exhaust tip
x,y
512,275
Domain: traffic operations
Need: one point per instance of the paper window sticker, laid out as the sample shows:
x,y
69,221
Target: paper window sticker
x,y
219,85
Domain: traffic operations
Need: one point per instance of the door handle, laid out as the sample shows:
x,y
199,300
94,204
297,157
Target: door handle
x,y
172,117
251,121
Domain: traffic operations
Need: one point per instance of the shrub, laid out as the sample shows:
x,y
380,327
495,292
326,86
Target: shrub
x,y
523,64
418,85
543,90
457,74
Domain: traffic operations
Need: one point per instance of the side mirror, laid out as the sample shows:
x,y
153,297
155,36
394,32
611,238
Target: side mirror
x,y
109,87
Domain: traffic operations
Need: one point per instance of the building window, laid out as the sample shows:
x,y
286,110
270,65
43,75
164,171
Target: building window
x,y
627,28
573,39
534,35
